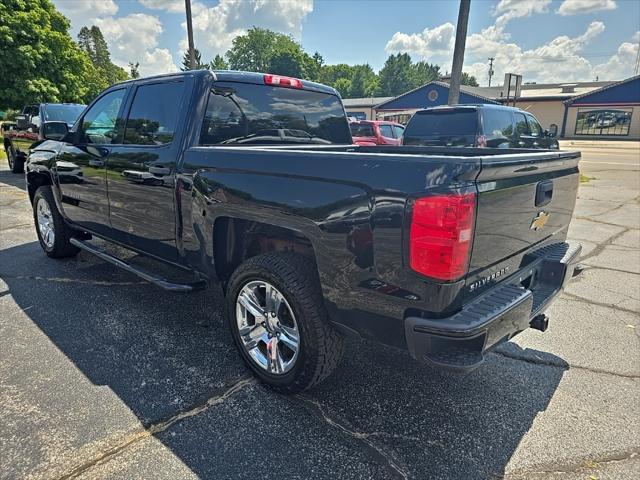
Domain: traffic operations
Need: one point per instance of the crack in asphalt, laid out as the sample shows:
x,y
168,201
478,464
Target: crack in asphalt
x,y
563,366
157,428
576,467
15,227
363,437
577,298
595,267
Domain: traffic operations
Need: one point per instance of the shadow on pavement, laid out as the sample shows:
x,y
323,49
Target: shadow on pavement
x,y
380,415
13,179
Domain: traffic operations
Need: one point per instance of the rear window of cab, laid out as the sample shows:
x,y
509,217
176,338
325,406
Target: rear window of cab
x,y
362,130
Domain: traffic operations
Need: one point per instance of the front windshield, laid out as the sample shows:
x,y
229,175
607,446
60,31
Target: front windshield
x,y
243,113
62,113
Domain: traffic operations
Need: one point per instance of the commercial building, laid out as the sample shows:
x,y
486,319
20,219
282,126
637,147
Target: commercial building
x,y
580,109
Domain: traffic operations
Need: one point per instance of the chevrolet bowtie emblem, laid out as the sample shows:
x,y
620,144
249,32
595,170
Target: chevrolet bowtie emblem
x,y
540,221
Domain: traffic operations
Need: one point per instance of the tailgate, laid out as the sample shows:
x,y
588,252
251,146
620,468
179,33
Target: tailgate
x,y
525,201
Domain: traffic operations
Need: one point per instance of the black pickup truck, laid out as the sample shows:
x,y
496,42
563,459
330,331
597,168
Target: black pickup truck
x,y
252,181
34,123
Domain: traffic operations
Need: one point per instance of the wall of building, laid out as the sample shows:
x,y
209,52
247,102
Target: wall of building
x,y
367,110
634,125
546,111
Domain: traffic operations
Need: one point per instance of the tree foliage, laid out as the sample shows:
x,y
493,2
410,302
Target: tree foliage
x,y
467,79
219,63
39,61
186,61
104,73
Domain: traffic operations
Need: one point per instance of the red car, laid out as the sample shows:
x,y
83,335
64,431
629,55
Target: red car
x,y
375,132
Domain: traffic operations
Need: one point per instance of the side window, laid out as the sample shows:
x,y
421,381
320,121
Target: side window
x,y
153,114
521,124
534,126
223,120
497,123
398,130
386,131
99,124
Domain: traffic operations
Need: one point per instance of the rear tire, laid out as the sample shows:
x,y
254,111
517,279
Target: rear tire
x,y
16,164
319,346
53,232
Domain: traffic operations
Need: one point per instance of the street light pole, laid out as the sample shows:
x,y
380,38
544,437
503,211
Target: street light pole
x,y
458,52
192,56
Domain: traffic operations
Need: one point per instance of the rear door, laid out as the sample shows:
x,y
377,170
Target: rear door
x,y
141,170
386,134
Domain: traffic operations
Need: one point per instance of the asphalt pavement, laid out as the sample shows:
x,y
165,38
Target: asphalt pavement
x,y
105,376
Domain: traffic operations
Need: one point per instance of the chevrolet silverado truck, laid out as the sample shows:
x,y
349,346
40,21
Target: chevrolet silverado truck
x,y
252,182
34,123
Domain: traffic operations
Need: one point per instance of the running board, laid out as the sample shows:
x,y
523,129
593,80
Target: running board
x,y
149,277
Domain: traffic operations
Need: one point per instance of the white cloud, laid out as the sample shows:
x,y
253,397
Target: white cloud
x,y
621,64
174,6
558,60
434,41
214,28
575,7
134,38
83,13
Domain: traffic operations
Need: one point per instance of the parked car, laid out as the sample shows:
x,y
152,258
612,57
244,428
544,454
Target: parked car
x,y
493,126
29,128
444,252
376,132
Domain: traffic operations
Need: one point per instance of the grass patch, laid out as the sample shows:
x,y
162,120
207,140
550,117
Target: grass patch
x,y
3,155
585,179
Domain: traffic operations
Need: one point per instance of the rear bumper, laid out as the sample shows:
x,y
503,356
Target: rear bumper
x,y
459,342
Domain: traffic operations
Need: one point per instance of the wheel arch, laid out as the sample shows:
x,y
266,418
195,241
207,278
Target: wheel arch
x,y
236,240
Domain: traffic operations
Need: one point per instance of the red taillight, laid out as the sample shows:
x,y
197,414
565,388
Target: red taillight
x,y
441,235
481,141
278,81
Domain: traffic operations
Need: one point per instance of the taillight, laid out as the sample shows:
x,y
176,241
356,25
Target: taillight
x,y
481,141
278,81
441,235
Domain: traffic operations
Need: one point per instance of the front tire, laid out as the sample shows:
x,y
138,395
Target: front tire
x,y
53,233
279,324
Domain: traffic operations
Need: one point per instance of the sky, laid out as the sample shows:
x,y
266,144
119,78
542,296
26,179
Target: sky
x,y
543,40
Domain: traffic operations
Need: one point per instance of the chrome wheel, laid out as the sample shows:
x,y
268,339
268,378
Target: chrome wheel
x,y
267,327
45,223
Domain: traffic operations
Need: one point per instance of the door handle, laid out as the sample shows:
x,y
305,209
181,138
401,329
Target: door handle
x,y
544,192
159,170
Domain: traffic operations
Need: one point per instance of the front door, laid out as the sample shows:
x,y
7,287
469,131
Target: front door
x,y
80,165
141,170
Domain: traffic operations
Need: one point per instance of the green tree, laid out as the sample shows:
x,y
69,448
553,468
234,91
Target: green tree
x,y
254,50
362,76
290,61
424,72
186,61
219,63
39,61
106,73
467,79
397,75
343,85
133,69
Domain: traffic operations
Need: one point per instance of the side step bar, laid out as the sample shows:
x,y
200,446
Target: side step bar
x,y
149,277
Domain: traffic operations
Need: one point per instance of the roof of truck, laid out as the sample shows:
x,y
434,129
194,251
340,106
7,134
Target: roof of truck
x,y
232,76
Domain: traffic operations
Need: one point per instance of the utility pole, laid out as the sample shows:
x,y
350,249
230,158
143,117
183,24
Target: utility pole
x,y
491,59
192,56
458,52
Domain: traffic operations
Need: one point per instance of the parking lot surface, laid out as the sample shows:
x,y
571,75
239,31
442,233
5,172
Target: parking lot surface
x,y
105,376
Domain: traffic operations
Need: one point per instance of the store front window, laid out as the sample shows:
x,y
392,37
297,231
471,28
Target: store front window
x,y
603,121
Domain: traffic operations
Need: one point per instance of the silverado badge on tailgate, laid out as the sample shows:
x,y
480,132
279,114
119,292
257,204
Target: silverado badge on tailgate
x,y
540,221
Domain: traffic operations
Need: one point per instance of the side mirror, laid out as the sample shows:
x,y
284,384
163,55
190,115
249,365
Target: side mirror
x,y
553,130
54,130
